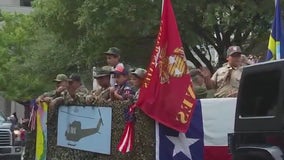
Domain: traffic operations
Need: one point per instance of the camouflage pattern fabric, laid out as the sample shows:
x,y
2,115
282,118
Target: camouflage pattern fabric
x,y
125,91
144,145
80,95
102,94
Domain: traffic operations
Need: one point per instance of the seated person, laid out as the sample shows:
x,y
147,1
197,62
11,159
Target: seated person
x,y
122,89
136,80
103,79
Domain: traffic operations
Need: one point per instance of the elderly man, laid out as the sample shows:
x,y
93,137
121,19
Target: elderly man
x,y
226,79
103,79
76,91
61,87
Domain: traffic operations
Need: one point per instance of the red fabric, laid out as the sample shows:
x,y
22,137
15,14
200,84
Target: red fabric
x,y
166,94
126,141
217,152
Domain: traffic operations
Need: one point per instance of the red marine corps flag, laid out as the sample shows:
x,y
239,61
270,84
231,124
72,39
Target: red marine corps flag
x,y
166,94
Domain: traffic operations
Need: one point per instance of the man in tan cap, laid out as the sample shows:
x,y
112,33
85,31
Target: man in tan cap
x,y
61,87
226,79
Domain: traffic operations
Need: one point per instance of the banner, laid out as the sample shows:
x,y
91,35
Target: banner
x,y
41,131
85,128
166,94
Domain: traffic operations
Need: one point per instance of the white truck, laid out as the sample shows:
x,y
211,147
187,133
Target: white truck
x,y
11,139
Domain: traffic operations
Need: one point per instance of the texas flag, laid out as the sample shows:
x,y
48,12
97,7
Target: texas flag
x,y
206,138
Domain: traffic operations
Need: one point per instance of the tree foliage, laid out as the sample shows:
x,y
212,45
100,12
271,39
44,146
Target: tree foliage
x,y
66,36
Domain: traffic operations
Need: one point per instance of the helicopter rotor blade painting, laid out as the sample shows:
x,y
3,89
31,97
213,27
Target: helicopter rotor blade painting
x,y
85,128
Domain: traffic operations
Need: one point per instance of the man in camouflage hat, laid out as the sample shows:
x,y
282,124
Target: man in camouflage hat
x,y
61,87
103,79
226,79
136,79
76,91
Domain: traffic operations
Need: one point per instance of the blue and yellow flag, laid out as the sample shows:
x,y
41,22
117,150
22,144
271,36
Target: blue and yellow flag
x,y
275,49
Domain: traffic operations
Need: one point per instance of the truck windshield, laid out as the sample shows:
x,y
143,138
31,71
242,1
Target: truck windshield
x,y
261,96
2,118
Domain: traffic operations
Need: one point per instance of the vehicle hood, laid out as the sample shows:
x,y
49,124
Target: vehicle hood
x,y
5,125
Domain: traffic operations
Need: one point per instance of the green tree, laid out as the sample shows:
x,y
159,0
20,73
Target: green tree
x,y
63,36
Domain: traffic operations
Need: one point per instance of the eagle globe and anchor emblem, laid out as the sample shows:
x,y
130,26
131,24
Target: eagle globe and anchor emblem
x,y
171,66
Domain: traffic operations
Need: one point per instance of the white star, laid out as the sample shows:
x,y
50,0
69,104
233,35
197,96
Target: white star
x,y
177,72
182,144
172,60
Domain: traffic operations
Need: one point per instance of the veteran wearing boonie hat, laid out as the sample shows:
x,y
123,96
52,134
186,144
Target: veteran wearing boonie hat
x,y
60,78
103,79
103,71
61,86
76,91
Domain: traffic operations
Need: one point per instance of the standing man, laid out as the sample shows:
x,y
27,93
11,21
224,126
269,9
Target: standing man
x,y
103,93
61,81
226,79
113,60
76,91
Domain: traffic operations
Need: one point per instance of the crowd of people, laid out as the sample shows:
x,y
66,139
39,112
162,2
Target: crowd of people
x,y
115,82
226,80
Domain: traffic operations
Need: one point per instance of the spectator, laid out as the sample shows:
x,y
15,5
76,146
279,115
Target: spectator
x,y
122,90
136,80
227,78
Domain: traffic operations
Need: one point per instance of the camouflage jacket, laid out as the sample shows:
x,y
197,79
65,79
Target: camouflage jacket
x,y
53,94
79,98
101,94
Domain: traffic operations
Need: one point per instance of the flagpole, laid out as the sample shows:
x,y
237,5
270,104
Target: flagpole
x,y
163,7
